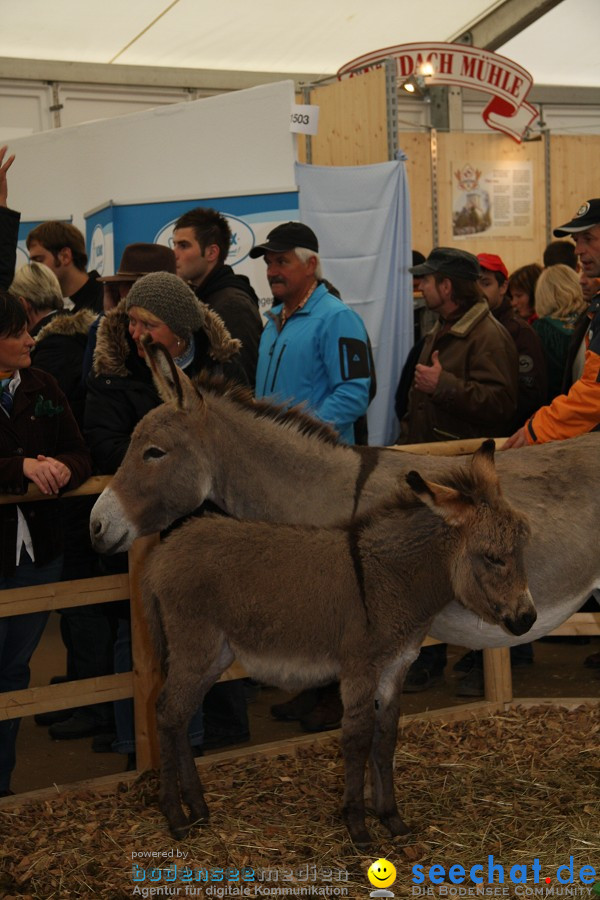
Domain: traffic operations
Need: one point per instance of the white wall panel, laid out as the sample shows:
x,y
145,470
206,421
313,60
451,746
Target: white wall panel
x,y
227,145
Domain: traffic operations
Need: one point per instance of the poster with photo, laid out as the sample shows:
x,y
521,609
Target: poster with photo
x,y
492,200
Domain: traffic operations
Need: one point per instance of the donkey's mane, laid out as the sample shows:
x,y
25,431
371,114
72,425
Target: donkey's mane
x,y
296,416
461,479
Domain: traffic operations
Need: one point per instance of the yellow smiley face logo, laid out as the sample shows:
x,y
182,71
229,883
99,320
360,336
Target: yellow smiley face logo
x,y
382,873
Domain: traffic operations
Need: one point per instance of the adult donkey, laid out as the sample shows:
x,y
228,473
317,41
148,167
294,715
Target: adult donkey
x,y
358,602
257,462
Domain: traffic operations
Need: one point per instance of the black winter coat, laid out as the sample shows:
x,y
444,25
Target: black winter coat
x,y
9,235
120,390
233,298
40,422
61,340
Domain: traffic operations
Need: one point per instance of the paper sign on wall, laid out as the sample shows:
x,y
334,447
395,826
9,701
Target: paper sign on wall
x,y
304,119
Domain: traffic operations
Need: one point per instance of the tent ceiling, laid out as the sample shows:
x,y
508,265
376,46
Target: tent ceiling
x,y
314,37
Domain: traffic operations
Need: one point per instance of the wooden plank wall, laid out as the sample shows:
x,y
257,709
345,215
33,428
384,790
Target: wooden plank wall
x,y
574,173
352,122
353,131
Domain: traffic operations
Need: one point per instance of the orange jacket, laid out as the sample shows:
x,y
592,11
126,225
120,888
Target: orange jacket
x,y
578,411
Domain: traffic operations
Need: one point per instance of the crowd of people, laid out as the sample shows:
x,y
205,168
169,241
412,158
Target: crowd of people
x,y
509,354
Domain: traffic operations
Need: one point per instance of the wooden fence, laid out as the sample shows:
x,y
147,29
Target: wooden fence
x,y
143,683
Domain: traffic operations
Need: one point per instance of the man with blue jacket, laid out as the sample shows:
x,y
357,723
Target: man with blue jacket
x,y
314,348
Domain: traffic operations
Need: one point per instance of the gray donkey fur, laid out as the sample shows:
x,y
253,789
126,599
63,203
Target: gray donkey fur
x,y
257,462
299,606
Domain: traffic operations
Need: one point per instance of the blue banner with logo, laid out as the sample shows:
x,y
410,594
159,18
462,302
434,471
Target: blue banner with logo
x,y
111,227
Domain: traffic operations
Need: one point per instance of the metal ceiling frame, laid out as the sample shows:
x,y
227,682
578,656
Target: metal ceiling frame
x,y
502,23
489,31
214,80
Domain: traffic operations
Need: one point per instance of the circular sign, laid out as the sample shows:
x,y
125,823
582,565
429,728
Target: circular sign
x,y
242,238
97,250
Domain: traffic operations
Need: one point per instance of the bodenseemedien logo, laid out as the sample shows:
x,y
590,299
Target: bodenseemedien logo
x,y
381,874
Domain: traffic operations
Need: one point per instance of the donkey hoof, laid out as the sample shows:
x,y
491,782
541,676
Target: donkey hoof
x,y
199,817
179,832
360,837
395,825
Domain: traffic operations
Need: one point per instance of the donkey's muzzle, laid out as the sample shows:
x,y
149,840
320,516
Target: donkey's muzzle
x,y
521,624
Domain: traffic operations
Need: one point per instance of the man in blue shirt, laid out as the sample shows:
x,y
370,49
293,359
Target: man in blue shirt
x,y
314,348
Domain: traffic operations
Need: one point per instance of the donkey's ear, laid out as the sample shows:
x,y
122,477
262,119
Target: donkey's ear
x,y
444,501
170,382
483,468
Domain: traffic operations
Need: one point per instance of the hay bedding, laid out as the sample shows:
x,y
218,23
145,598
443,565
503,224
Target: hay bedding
x,y
519,785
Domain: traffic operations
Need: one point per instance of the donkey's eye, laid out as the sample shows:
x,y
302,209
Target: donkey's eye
x,y
153,453
493,560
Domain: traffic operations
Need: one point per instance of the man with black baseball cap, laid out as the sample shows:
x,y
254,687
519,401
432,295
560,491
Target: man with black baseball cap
x,y
313,350
578,411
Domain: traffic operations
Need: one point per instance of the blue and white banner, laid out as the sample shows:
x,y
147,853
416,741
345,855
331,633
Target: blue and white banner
x,y
111,227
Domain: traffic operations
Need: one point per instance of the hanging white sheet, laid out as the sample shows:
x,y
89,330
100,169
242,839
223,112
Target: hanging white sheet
x,y
361,216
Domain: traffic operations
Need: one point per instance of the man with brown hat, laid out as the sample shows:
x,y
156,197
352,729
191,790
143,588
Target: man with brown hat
x,y
137,260
578,411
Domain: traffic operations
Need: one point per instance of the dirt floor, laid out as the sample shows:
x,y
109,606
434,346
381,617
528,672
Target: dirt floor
x,y
558,671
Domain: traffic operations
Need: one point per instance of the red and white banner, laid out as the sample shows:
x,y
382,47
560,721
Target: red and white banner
x,y
464,66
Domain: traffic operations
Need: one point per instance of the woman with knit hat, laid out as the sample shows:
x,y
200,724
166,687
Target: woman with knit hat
x,y
120,392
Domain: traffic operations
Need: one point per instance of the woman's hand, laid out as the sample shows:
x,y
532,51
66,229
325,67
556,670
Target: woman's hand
x,y
49,474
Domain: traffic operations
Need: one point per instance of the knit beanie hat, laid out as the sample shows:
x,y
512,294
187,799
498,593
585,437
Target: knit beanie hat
x,y
170,299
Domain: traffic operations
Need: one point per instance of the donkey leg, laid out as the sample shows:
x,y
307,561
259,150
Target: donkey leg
x,y
169,737
358,724
183,693
387,713
197,683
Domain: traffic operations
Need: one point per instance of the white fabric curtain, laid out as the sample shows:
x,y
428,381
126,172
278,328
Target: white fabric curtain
x,y
361,216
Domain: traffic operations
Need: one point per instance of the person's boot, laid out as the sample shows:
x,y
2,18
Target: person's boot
x,y
472,684
81,724
300,705
420,678
327,713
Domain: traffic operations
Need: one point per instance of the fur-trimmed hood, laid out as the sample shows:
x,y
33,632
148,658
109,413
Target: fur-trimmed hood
x,y
68,324
113,345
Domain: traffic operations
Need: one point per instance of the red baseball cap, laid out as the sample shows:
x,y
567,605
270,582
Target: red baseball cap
x,y
492,263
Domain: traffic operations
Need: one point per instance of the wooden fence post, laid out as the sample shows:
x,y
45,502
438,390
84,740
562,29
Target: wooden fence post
x,y
146,673
497,675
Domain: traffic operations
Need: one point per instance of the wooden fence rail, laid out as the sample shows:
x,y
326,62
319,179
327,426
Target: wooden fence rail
x,y
143,682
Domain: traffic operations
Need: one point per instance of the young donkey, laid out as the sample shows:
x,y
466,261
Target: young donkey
x,y
299,606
